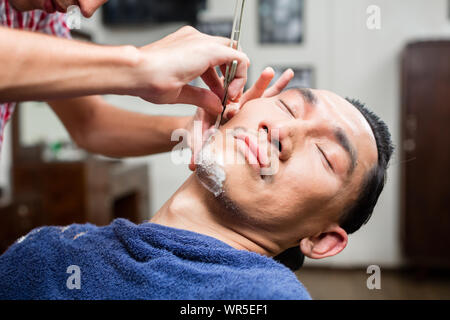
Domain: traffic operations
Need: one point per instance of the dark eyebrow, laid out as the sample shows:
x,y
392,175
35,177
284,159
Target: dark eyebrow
x,y
308,95
342,138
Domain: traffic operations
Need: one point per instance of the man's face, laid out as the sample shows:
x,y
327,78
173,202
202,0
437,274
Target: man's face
x,y
88,7
326,147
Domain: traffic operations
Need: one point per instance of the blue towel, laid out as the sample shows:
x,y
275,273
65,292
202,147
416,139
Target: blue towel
x,y
146,261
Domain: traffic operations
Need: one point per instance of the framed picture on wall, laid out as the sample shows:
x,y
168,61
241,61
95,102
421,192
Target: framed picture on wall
x,y
281,21
136,12
303,76
220,28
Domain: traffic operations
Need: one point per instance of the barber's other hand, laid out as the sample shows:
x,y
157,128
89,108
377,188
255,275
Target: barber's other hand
x,y
166,68
258,90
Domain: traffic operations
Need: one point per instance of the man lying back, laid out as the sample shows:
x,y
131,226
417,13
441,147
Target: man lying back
x,y
216,236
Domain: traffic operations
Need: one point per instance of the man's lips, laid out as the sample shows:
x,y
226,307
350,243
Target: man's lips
x,y
255,153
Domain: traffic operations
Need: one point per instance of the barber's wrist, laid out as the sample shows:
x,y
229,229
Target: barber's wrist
x,y
183,122
125,77
161,130
177,124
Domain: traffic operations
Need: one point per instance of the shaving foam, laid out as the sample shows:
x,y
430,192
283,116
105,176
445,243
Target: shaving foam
x,y
211,171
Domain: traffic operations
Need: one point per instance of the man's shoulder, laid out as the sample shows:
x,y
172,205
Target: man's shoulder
x,y
273,282
49,243
53,234
255,277
42,257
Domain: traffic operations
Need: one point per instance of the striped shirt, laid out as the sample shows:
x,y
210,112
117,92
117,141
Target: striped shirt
x,y
36,20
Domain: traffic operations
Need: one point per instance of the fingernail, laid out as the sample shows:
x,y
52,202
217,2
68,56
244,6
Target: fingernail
x,y
234,95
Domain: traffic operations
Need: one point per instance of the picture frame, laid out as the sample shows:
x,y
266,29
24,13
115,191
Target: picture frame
x,y
281,21
135,12
304,76
220,28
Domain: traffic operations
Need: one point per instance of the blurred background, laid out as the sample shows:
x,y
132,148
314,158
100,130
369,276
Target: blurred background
x,y
392,55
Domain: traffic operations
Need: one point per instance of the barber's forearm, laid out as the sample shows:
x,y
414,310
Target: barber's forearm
x,y
133,135
41,67
101,128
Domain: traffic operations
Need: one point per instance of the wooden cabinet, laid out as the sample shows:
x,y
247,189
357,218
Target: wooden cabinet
x,y
66,192
425,153
62,193
17,219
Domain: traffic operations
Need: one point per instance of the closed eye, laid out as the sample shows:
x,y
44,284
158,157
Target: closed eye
x,y
325,157
285,107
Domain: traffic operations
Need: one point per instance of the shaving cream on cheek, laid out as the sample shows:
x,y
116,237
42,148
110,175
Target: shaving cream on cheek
x,y
211,171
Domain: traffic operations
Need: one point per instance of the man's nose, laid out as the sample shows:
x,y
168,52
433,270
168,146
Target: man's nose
x,y
279,133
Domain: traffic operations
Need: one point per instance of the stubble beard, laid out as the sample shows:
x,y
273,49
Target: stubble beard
x,y
211,174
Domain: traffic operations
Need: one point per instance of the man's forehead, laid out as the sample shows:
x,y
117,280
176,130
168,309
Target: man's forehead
x,y
336,105
341,114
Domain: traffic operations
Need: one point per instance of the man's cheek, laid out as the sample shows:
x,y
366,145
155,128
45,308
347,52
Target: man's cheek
x,y
246,118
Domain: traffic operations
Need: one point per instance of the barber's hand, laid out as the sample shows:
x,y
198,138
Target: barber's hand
x,y
166,68
258,90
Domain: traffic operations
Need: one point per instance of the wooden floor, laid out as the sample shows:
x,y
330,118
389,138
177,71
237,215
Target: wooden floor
x,y
324,284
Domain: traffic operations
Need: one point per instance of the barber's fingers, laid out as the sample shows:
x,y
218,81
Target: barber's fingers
x,y
192,165
259,89
231,110
263,82
236,87
207,122
280,84
260,86
255,92
222,40
203,98
225,56
214,82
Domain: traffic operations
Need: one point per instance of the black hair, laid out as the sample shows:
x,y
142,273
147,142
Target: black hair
x,y
361,210
357,214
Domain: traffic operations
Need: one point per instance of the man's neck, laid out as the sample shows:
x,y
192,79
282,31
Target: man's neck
x,y
194,209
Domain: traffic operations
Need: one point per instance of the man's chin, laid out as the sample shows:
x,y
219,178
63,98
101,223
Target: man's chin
x,y
210,170
211,177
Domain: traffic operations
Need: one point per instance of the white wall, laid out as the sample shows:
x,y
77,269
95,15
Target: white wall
x,y
365,64
5,163
348,59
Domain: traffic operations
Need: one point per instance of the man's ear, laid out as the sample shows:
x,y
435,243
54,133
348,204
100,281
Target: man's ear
x,y
328,243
